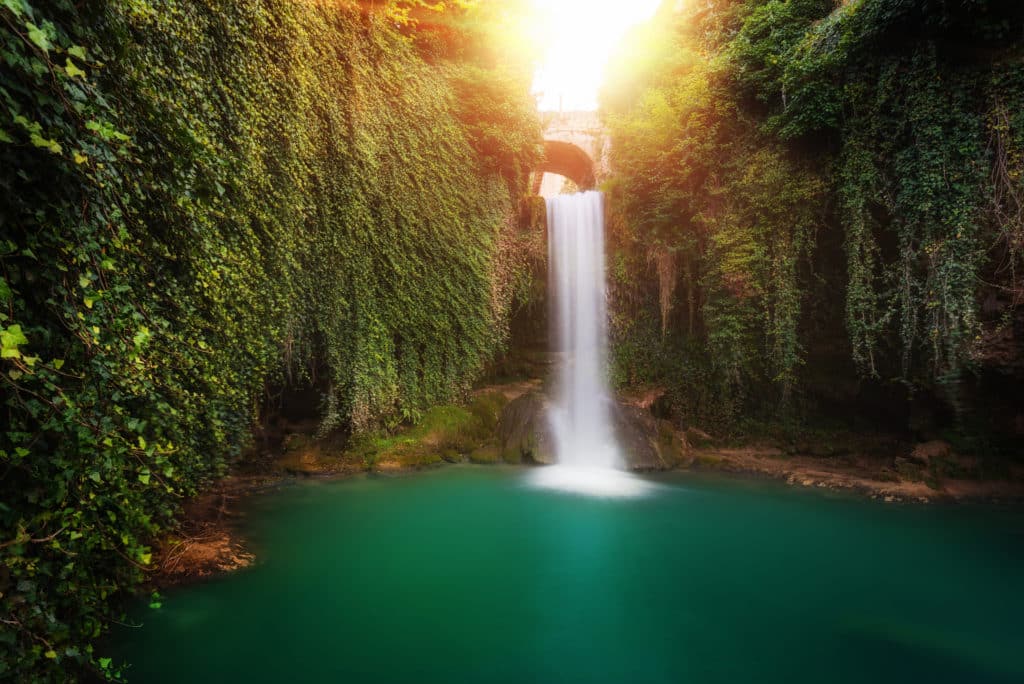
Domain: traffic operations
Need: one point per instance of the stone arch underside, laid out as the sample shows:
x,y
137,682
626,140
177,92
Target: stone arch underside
x,y
567,160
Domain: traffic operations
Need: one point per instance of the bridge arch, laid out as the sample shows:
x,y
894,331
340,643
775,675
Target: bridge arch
x,y
569,160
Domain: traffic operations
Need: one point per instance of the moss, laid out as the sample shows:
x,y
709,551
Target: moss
x,y
670,447
486,455
511,456
445,433
418,458
451,428
486,407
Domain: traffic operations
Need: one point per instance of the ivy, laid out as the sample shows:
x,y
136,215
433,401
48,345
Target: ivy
x,y
757,126
201,200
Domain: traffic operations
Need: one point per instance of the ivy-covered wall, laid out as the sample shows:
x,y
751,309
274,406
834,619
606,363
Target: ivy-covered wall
x,y
203,199
824,198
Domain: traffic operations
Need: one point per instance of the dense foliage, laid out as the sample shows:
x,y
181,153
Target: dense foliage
x,y
205,199
837,179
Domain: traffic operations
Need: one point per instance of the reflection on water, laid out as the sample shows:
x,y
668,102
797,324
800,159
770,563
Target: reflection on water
x,y
600,482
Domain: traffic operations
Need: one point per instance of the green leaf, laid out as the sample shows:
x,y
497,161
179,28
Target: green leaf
x,y
10,339
38,37
51,654
16,6
104,663
144,478
78,51
141,337
46,143
72,70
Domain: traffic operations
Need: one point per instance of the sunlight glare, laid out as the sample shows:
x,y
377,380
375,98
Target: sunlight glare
x,y
579,37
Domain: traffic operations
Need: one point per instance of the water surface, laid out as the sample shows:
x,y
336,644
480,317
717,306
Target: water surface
x,y
471,575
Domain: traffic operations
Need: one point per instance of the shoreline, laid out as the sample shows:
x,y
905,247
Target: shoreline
x,y
209,543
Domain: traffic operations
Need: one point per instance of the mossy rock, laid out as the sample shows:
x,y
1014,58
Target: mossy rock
x,y
511,456
486,455
445,433
524,432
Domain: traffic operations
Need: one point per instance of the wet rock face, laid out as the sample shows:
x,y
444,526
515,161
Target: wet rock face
x,y
524,432
647,443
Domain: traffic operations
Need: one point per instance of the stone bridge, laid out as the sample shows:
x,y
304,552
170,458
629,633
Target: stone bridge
x,y
575,146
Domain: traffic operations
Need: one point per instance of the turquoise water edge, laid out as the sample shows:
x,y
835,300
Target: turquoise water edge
x,y
470,574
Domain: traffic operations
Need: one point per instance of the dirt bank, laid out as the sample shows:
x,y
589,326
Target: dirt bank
x,y
868,475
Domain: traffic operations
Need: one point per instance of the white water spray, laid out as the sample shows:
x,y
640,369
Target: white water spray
x,y
580,417
589,460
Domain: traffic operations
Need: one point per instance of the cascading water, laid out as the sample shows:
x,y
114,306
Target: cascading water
x,y
588,455
580,417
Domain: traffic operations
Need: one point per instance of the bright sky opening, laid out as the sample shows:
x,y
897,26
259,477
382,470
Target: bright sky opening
x,y
580,36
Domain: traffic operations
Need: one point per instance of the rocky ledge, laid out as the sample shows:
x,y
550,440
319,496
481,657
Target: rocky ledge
x,y
648,443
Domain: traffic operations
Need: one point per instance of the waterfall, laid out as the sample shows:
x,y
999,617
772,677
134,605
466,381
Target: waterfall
x,y
580,415
589,460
